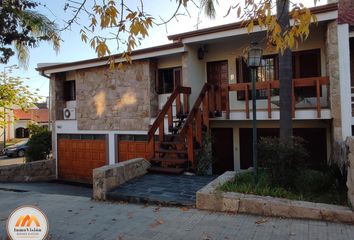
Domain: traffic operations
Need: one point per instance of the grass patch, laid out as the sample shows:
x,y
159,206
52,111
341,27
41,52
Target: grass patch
x,y
330,193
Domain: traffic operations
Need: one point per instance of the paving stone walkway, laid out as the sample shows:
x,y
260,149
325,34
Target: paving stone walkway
x,y
75,217
160,189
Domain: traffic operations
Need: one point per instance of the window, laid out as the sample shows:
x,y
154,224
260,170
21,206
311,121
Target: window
x,y
168,80
69,90
266,72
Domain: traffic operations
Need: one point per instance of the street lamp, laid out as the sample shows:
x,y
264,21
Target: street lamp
x,y
5,117
254,59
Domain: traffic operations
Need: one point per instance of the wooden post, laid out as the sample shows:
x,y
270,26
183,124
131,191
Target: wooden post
x,y
318,96
186,103
226,89
269,98
198,126
190,149
246,102
151,144
170,117
178,104
218,98
212,99
293,99
206,110
161,131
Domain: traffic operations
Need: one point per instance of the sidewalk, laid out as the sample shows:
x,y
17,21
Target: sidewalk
x,y
75,217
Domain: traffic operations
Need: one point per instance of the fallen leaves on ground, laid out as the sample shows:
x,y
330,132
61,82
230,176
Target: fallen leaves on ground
x,y
156,223
184,209
261,221
157,209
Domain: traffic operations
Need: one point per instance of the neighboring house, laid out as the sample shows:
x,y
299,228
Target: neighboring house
x,y
103,116
39,114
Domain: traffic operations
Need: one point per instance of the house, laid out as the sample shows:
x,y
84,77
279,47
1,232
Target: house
x,y
38,114
18,120
158,106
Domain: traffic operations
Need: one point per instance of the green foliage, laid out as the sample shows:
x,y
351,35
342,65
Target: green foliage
x,y
322,187
39,145
13,92
35,128
244,183
22,26
284,160
205,156
310,180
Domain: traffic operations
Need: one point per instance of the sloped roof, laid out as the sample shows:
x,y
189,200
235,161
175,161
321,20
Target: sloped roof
x,y
36,115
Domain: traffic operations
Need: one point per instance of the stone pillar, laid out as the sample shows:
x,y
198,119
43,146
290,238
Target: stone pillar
x,y
333,73
154,103
339,88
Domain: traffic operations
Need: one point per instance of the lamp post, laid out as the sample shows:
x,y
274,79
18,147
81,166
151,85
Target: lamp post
x,y
5,117
254,59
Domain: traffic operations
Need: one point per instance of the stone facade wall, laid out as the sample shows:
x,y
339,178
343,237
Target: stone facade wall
x,y
115,99
333,73
110,176
29,172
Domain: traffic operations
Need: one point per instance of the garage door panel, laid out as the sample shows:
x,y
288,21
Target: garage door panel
x,y
133,149
77,158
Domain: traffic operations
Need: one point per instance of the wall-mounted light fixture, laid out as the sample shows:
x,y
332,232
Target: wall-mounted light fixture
x,y
201,53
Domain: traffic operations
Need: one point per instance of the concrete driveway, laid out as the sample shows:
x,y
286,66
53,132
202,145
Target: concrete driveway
x,y
4,160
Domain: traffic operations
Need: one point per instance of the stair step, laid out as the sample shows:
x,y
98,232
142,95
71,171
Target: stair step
x,y
172,142
171,151
166,170
170,160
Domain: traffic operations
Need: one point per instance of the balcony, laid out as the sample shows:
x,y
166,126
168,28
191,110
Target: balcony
x,y
315,100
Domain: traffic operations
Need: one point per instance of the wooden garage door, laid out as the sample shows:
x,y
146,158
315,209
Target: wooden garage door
x,y
77,158
133,149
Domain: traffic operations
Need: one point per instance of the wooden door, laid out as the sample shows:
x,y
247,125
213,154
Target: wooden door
x,y
222,148
217,74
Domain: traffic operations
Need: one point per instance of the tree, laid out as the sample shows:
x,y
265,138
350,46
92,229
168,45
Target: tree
x,y
21,28
13,93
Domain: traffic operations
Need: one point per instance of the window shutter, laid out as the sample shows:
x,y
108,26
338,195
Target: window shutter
x,y
242,75
177,77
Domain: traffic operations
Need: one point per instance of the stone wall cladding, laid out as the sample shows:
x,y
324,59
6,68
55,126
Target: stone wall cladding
x,y
333,73
110,176
350,165
208,198
29,172
115,99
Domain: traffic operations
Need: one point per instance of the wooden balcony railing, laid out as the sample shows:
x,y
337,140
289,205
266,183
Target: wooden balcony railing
x,y
316,82
167,109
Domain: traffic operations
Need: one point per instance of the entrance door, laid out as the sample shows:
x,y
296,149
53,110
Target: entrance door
x,y
222,150
217,74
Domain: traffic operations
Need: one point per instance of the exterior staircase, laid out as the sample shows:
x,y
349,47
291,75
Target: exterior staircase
x,y
174,152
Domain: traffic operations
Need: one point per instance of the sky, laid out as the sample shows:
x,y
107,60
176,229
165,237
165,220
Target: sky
x,y
73,49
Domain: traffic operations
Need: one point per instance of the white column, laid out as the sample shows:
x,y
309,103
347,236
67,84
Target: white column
x,y
112,148
344,76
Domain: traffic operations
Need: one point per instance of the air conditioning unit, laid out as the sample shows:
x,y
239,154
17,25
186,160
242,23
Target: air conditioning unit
x,y
69,113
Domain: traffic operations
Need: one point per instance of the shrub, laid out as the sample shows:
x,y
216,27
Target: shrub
x,y
204,156
282,159
39,145
314,181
